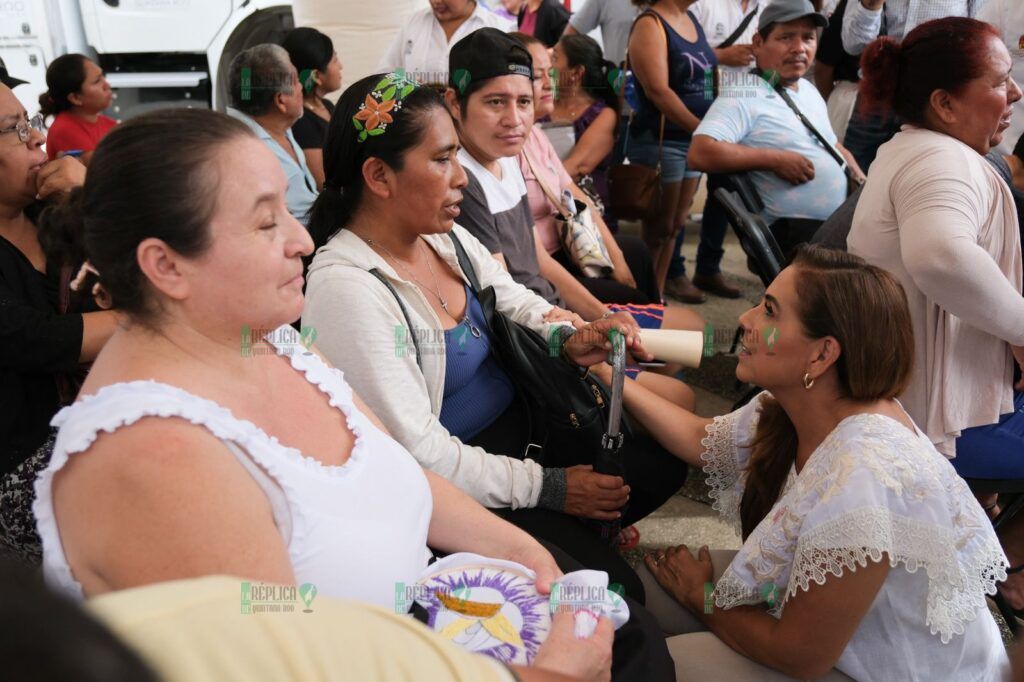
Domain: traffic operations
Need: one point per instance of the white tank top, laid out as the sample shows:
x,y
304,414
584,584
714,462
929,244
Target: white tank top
x,y
354,530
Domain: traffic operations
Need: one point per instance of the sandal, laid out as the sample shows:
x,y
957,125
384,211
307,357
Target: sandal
x,y
629,538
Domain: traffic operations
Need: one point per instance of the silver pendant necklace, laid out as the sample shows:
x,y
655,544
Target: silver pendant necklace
x,y
437,288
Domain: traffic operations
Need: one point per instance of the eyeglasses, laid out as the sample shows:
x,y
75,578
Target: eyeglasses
x,y
24,127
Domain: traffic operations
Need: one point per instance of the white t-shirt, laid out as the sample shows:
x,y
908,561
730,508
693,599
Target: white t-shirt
x,y
871,489
749,112
1008,17
421,47
721,17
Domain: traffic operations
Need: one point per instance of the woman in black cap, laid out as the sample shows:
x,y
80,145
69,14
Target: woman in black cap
x,y
314,57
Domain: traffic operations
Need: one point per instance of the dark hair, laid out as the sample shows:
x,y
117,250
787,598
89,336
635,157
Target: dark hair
x,y
1018,149
47,637
152,176
64,77
269,71
345,154
582,50
310,50
943,54
865,309
526,40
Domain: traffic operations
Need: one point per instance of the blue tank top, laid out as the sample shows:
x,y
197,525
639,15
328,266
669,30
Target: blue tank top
x,y
476,388
691,73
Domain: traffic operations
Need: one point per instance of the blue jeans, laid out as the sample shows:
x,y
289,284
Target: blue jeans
x,y
712,236
867,132
994,451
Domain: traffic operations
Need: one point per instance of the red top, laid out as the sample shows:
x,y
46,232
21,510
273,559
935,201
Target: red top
x,y
529,25
70,133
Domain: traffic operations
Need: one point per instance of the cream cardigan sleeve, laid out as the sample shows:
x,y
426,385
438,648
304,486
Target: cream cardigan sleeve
x,y
939,208
355,317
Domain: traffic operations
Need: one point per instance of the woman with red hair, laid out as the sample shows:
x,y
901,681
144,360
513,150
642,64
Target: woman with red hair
x,y
937,216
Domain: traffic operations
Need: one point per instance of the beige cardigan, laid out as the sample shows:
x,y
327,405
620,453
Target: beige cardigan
x,y
356,317
937,216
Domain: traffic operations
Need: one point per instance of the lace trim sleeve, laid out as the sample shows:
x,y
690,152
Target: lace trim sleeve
x,y
721,464
957,585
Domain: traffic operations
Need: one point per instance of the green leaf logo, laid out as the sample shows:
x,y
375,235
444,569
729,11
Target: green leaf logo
x,y
462,80
616,79
307,592
308,335
771,335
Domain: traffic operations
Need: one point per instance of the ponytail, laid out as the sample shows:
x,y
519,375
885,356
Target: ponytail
x,y
880,69
331,211
61,227
599,75
773,452
64,77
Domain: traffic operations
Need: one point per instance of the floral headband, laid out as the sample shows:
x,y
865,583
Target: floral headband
x,y
373,116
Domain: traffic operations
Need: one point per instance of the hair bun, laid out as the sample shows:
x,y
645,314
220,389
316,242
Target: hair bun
x,y
880,70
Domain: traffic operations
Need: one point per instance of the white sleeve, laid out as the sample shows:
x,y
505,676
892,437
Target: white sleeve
x,y
860,26
939,213
726,454
394,58
355,317
588,18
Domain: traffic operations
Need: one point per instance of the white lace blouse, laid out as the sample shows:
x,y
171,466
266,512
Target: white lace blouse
x,y
871,487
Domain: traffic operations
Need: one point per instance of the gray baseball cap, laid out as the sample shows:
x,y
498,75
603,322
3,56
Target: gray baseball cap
x,y
9,81
782,11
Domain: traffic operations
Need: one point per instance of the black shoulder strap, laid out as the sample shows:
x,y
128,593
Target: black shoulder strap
x,y
739,30
779,88
405,313
465,263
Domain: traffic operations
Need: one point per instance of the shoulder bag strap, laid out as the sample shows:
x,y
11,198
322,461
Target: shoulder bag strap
x,y
661,134
779,88
465,263
405,313
543,185
739,30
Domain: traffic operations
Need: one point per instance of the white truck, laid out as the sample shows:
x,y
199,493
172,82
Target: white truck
x,y
156,53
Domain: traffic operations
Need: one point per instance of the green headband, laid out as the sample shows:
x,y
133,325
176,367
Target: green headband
x,y
374,114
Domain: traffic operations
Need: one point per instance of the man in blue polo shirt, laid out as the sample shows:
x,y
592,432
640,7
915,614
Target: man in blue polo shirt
x,y
750,127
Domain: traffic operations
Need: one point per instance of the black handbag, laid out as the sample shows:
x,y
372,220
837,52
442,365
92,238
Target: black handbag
x,y
567,409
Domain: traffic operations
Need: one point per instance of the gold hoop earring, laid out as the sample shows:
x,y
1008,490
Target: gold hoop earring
x,y
808,381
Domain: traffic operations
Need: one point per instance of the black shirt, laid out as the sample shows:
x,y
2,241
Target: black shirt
x,y
831,52
39,351
310,131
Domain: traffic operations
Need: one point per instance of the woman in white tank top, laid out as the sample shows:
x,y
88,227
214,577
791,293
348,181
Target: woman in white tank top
x,y
210,437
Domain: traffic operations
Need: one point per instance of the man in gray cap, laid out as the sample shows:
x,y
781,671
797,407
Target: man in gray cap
x,y
759,125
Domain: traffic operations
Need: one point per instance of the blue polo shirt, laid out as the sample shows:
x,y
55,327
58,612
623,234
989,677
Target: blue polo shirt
x,y
301,191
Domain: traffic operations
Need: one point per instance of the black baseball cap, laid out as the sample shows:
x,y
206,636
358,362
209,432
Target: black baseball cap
x,y
8,80
783,11
487,53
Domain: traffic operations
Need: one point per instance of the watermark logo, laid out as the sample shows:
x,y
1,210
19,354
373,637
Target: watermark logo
x,y
307,77
263,598
771,335
740,84
462,79
279,341
768,593
246,84
617,79
585,598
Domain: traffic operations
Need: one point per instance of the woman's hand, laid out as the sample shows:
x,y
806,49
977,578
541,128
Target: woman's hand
x,y
587,659
590,345
539,560
622,274
59,175
557,314
593,495
681,575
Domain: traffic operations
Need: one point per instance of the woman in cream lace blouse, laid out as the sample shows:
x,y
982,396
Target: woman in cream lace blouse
x,y
864,554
